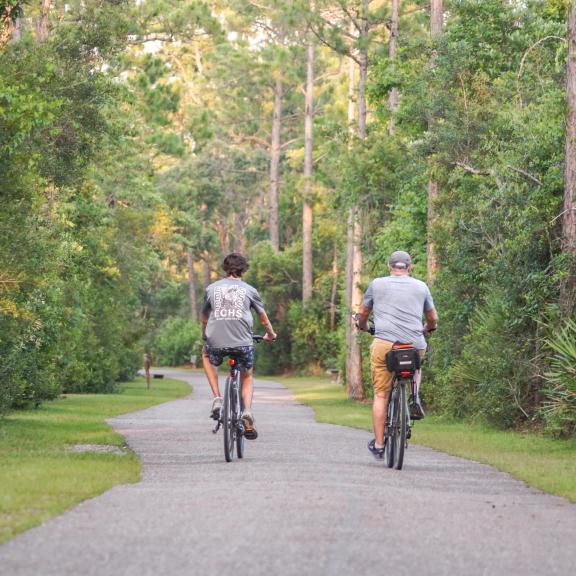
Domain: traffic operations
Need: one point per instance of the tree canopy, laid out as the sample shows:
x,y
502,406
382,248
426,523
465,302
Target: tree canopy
x,y
141,141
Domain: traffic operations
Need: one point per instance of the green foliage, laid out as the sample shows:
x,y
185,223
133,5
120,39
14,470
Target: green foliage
x,y
315,347
559,408
125,160
69,275
174,341
486,122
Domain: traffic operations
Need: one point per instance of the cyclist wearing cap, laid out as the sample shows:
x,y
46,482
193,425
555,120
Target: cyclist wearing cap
x,y
227,329
398,303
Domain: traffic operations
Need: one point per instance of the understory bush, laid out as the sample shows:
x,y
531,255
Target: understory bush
x,y
559,408
175,341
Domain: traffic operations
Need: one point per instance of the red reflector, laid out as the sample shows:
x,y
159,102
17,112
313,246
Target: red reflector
x,y
405,373
232,362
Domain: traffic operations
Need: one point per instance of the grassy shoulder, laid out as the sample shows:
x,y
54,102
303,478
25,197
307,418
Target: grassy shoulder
x,y
549,465
41,477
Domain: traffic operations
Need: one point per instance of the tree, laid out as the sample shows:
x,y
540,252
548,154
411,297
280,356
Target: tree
x,y
568,288
436,18
307,264
392,49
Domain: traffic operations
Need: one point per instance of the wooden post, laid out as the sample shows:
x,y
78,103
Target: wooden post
x,y
147,366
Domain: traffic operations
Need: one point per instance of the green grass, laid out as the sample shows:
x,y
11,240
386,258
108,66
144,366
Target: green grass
x,y
547,464
40,477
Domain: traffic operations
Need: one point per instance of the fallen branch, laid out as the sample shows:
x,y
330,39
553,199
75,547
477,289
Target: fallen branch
x,y
471,169
525,174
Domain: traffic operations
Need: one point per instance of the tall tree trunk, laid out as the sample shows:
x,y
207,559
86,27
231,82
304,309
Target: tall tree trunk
x,y
18,27
349,279
350,219
334,291
223,235
436,20
568,287
307,277
354,358
42,24
393,97
207,280
192,287
275,149
239,237
7,26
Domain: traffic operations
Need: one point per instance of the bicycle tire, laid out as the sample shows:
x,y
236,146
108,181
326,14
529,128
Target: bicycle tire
x,y
400,426
390,416
228,422
239,436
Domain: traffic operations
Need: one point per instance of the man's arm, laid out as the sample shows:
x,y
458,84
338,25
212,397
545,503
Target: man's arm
x,y
206,309
265,321
362,318
431,321
204,323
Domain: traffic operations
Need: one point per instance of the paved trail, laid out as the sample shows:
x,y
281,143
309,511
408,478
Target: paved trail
x,y
307,500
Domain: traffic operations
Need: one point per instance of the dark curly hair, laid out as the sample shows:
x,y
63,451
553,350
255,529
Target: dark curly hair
x,y
235,264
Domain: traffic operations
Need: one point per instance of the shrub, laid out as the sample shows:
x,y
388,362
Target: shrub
x,y
175,340
559,409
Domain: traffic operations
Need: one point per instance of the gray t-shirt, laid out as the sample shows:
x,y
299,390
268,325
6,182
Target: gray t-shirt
x,y
398,304
228,303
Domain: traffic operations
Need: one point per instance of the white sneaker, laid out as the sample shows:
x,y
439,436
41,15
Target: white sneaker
x,y
216,408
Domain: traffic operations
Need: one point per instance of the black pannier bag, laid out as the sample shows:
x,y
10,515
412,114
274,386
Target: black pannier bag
x,y
403,359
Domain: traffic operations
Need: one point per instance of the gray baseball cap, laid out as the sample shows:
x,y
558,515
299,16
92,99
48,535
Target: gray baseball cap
x,y
400,259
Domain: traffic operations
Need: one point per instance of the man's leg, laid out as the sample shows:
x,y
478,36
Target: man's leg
x,y
247,388
211,373
247,379
381,380
417,411
379,408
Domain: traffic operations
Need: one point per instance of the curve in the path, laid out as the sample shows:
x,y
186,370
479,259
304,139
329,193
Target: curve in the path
x,y
306,500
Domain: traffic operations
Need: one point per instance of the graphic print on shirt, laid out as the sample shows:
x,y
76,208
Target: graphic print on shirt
x,y
229,302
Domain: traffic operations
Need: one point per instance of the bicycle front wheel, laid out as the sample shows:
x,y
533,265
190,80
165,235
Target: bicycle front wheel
x,y
228,421
401,415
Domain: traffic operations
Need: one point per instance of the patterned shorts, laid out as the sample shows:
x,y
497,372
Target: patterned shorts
x,y
244,355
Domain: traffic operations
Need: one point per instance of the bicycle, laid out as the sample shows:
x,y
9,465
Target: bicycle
x,y
231,413
403,360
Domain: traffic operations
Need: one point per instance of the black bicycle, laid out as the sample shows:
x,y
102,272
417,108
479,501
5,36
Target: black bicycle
x,y
231,414
404,361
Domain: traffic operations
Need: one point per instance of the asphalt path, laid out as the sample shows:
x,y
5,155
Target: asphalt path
x,y
308,499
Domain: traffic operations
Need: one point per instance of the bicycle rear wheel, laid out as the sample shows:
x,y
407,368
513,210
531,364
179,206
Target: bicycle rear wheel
x,y
390,428
240,433
228,421
401,415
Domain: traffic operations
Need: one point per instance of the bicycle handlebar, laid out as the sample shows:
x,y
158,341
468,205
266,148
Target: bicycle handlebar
x,y
372,329
257,338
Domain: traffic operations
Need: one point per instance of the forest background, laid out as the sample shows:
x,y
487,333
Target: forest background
x,y
142,140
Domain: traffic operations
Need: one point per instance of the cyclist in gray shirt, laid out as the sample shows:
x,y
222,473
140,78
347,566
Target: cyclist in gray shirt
x,y
227,330
398,303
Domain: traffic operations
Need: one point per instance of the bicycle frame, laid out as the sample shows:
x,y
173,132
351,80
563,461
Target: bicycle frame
x,y
231,412
398,422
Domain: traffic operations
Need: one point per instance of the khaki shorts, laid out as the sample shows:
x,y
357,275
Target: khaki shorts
x,y
381,376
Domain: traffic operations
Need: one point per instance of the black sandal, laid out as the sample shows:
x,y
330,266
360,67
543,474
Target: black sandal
x,y
378,453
